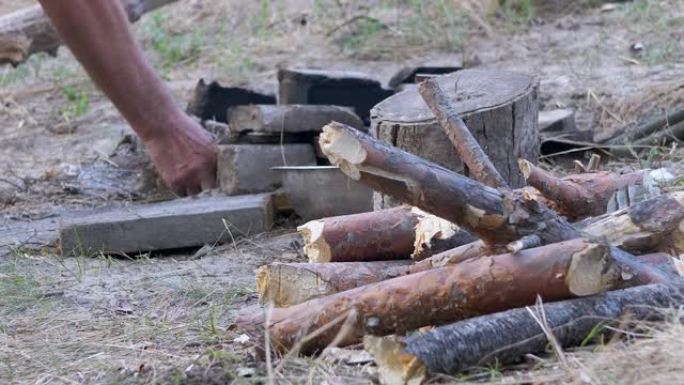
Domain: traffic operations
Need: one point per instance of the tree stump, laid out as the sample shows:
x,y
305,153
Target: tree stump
x,y
499,107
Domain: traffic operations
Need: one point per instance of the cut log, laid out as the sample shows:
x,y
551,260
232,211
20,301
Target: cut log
x,y
499,107
496,217
578,196
398,233
467,147
656,224
287,284
29,31
507,336
293,119
447,294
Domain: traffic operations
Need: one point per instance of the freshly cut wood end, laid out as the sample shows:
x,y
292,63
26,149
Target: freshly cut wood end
x,y
429,228
315,245
286,285
525,167
342,149
395,366
592,271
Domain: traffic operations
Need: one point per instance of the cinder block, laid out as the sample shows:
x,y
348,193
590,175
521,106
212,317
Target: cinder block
x,y
246,168
167,225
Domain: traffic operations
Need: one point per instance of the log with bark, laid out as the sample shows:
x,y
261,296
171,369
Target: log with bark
x,y
287,284
397,233
585,195
29,31
496,217
653,225
505,337
438,296
499,107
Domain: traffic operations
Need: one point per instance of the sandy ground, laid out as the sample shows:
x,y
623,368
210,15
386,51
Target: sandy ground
x,y
168,318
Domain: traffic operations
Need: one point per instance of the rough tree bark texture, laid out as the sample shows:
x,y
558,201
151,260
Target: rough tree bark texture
x,y
29,31
500,108
467,147
287,284
579,196
656,224
505,337
496,217
397,233
438,296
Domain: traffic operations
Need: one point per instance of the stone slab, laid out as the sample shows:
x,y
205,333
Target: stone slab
x,y
167,225
246,168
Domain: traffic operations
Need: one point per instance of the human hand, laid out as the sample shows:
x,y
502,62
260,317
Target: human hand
x,y
184,154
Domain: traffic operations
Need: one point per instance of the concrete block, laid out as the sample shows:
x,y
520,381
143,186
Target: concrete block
x,y
340,88
246,168
289,119
166,225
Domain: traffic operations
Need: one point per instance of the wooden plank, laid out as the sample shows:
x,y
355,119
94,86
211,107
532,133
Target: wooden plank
x,y
166,225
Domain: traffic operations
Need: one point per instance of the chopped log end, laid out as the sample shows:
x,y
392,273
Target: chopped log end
x,y
525,167
395,366
429,228
286,285
315,245
342,149
592,271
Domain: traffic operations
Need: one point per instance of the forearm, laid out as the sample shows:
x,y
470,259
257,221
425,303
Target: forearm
x,y
98,33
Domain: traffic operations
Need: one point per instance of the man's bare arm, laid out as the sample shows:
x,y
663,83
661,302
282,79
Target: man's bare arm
x,y
98,33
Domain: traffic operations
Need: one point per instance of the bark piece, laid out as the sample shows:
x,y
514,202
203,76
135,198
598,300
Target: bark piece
x,y
467,147
445,295
212,101
28,31
287,284
499,108
496,217
505,337
294,119
398,233
582,195
166,225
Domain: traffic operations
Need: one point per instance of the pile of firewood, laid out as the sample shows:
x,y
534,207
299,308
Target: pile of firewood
x,y
463,274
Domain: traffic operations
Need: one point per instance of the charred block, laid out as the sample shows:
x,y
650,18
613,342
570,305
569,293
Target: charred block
x,y
341,88
211,101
